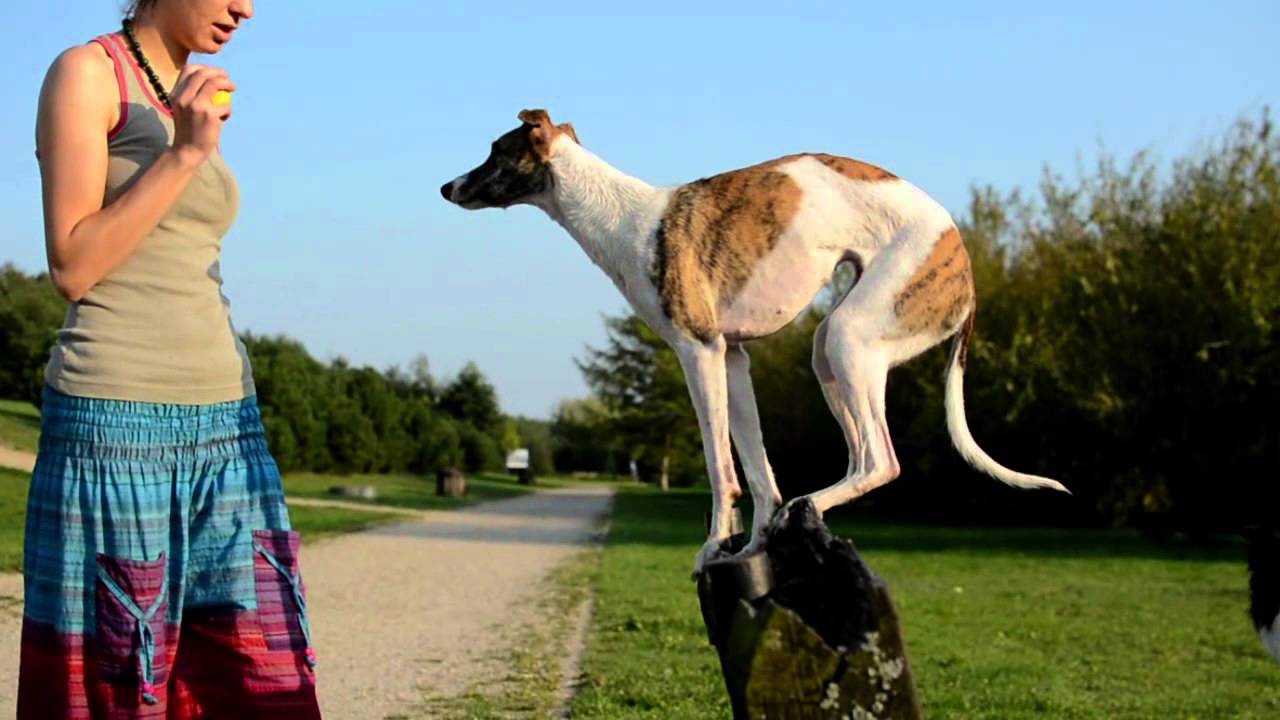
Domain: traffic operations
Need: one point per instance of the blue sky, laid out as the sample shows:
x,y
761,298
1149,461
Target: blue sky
x,y
346,126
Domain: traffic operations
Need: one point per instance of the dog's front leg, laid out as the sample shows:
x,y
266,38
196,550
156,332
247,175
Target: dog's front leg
x,y
704,373
744,427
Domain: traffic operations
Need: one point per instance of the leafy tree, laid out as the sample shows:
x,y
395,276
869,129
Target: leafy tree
x,y
583,439
639,380
30,314
470,398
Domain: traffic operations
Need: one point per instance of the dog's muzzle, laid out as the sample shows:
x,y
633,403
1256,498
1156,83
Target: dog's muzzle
x,y
450,189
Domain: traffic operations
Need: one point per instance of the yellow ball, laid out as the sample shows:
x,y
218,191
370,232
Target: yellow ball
x,y
222,97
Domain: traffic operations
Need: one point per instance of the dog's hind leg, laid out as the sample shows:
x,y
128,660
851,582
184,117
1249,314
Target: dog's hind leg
x,y
909,299
744,426
835,401
860,370
705,374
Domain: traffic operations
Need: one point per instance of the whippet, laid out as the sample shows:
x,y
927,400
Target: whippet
x,y
717,262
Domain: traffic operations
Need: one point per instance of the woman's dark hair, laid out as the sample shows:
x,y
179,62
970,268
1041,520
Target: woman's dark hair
x,y
133,7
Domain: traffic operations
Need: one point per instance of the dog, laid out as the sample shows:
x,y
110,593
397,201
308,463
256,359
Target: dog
x,y
720,261
1263,563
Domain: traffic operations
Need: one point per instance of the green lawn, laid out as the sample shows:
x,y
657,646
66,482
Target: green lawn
x,y
416,492
312,523
13,513
19,425
1005,623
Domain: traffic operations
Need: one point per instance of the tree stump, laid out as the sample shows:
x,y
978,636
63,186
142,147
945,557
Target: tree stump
x,y
451,483
805,629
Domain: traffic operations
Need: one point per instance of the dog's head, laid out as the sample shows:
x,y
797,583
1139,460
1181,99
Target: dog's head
x,y
518,169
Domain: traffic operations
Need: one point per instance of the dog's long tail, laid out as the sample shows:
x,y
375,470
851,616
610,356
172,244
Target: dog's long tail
x,y
959,427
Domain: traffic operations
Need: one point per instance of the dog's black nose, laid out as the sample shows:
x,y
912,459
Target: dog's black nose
x,y
447,190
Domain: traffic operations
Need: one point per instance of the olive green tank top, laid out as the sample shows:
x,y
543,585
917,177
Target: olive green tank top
x,y
157,328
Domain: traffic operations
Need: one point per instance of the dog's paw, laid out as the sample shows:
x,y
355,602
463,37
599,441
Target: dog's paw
x,y
754,546
783,513
710,551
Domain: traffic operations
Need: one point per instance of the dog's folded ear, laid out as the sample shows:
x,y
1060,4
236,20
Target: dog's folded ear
x,y
542,132
537,118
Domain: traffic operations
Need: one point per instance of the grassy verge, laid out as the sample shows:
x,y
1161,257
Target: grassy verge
x,y
13,514
1000,623
19,425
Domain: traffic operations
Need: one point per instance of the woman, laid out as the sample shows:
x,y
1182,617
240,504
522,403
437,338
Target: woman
x,y
160,569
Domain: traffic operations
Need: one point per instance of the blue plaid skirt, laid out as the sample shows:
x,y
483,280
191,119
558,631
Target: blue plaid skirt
x,y
158,538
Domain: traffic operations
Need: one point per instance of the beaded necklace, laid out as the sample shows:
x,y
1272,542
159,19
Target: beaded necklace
x,y
136,49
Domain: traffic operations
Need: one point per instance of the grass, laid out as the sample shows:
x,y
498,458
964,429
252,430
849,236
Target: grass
x,y
416,492
19,425
999,623
316,523
13,514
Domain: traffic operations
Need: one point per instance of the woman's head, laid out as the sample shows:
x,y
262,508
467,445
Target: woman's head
x,y
202,26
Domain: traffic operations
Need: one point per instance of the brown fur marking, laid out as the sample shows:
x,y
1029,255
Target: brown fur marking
x,y
940,294
713,234
543,132
854,169
963,338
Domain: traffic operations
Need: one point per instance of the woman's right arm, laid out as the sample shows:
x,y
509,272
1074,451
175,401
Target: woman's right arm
x,y
85,241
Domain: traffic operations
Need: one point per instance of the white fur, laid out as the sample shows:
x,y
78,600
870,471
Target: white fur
x,y
1270,636
968,448
611,215
614,218
457,183
840,216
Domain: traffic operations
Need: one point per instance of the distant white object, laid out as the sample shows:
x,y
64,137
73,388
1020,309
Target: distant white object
x,y
518,459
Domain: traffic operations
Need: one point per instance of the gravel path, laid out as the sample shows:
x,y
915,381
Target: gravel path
x,y
411,610
17,459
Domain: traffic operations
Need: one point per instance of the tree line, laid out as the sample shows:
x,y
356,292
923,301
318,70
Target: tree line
x,y
327,417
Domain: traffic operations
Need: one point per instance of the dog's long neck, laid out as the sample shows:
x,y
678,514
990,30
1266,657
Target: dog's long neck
x,y
599,205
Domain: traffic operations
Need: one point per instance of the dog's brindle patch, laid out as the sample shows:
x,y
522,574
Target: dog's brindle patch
x,y
716,229
713,232
940,295
854,169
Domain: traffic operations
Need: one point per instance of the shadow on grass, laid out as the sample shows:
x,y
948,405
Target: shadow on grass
x,y
678,518
23,418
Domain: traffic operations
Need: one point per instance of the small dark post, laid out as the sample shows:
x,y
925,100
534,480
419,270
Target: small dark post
x,y
805,629
451,483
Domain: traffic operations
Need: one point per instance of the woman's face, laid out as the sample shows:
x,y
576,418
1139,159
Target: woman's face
x,y
202,26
